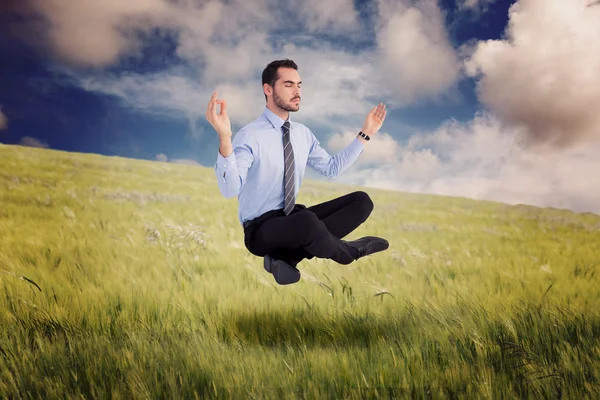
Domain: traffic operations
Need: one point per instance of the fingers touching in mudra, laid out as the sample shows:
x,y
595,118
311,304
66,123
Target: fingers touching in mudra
x,y
219,121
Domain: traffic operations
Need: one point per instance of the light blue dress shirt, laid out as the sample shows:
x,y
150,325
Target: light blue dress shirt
x,y
254,171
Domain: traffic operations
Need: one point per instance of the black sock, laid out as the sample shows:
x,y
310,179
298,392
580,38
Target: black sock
x,y
351,249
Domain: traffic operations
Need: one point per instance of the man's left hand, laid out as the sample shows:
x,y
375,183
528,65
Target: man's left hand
x,y
374,120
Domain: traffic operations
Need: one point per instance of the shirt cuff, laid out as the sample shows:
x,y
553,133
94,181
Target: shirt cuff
x,y
225,162
357,145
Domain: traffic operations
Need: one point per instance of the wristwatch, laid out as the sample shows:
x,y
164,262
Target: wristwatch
x,y
364,135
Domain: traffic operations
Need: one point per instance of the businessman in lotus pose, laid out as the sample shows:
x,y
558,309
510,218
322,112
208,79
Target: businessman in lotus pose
x,y
264,166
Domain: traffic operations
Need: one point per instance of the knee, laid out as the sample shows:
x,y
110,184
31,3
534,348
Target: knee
x,y
365,203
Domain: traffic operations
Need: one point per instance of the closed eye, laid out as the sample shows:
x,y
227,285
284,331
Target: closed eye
x,y
290,83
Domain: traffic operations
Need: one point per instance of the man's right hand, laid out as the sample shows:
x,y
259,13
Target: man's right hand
x,y
220,122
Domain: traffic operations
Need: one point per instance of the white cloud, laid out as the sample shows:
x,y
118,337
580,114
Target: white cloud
x,y
223,41
227,44
230,62
541,90
338,16
100,33
33,142
161,93
162,157
96,33
415,54
382,149
481,159
173,94
3,120
336,85
477,6
544,76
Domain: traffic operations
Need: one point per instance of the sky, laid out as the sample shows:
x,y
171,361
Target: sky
x,y
487,99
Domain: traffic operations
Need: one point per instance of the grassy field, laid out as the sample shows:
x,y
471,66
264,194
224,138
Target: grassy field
x,y
129,279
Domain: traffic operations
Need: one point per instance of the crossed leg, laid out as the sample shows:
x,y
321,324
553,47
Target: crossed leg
x,y
315,231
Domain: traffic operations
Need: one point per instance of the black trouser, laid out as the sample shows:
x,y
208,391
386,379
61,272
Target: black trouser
x,y
309,232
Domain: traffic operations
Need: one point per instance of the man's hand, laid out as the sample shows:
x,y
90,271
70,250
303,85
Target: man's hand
x,y
374,120
220,121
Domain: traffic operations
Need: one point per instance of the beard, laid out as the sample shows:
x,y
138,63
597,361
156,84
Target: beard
x,y
279,102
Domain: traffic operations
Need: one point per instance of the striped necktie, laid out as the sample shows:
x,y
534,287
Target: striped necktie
x,y
288,177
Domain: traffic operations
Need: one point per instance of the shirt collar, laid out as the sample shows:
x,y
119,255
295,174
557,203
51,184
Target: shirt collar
x,y
275,119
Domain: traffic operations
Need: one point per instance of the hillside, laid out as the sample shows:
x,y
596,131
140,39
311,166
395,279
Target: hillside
x,y
131,277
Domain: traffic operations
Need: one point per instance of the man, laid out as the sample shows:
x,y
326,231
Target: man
x,y
264,166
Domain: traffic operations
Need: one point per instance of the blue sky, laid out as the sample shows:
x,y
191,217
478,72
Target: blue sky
x,y
43,103
133,79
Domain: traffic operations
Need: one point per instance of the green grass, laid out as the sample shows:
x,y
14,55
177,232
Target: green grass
x,y
127,278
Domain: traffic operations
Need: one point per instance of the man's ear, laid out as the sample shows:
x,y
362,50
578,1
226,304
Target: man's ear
x,y
267,89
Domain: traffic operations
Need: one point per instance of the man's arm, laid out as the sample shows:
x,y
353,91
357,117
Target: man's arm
x,y
332,166
234,159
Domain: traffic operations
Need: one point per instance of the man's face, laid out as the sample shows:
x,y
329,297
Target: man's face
x,y
286,93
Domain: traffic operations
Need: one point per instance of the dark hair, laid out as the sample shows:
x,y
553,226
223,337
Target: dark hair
x,y
271,72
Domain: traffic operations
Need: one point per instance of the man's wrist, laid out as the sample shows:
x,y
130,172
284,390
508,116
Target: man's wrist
x,y
225,147
364,136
